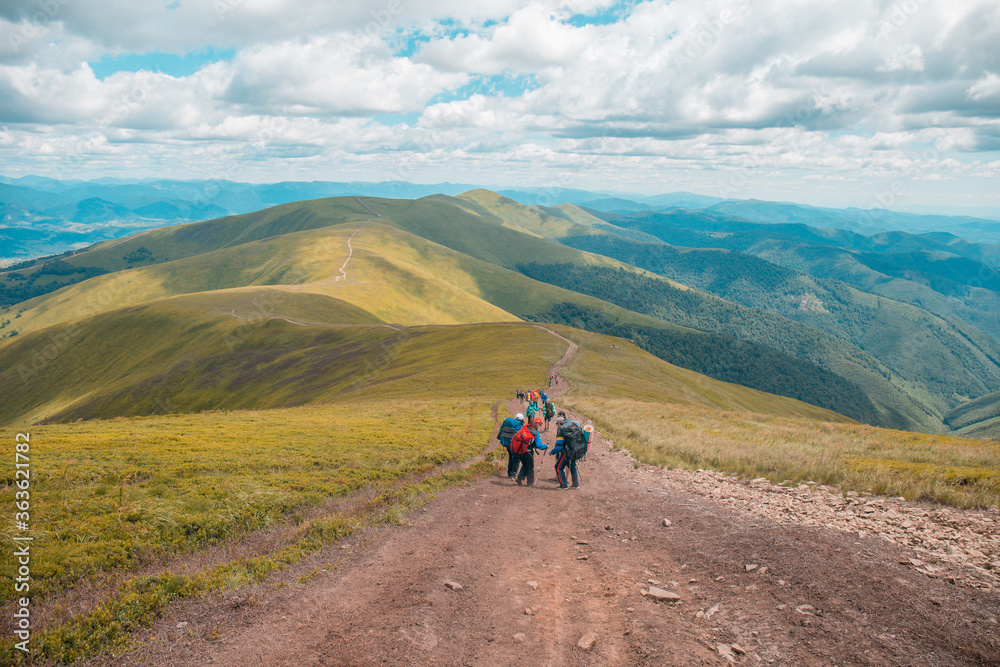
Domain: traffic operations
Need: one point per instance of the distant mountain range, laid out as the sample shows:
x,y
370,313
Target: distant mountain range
x,y
42,216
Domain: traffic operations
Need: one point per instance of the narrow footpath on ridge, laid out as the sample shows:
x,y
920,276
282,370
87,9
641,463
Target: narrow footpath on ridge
x,y
500,574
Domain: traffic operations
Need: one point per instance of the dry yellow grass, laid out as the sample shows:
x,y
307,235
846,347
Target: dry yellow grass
x,y
950,470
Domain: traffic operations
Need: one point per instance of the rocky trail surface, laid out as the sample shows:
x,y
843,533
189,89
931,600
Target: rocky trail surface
x,y
641,566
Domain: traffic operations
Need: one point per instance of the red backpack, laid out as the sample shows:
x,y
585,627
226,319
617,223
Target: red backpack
x,y
522,440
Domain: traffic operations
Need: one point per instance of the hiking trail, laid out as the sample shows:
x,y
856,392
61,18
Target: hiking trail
x,y
350,250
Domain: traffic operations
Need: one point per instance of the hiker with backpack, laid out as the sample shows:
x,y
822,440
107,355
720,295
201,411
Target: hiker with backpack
x,y
549,410
508,429
523,445
530,411
574,448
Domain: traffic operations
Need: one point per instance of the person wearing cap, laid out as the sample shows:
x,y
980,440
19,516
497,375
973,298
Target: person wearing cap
x,y
508,428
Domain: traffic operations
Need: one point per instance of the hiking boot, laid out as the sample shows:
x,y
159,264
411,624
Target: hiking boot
x,y
575,486
518,480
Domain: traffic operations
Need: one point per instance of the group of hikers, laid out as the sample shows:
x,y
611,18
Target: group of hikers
x,y
540,408
520,436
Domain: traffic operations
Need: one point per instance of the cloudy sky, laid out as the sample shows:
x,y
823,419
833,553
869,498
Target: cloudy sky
x,y
834,103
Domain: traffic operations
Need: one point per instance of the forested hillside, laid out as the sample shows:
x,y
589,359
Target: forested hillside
x,y
951,359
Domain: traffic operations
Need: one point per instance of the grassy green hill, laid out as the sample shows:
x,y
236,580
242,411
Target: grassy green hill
x,y
940,273
189,353
455,260
977,419
900,403
189,387
407,280
218,350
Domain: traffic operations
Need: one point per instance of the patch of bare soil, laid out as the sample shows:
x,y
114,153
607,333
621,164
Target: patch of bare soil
x,y
501,574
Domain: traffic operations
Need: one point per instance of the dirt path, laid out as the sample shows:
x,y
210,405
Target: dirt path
x,y
537,570
350,248
554,370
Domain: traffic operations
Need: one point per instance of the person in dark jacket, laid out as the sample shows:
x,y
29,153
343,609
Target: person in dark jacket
x,y
523,446
508,429
567,430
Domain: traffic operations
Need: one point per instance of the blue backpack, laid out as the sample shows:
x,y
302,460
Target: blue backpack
x,y
509,427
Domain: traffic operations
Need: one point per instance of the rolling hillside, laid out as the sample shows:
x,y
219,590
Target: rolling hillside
x,y
216,350
977,419
481,257
420,282
220,401
938,272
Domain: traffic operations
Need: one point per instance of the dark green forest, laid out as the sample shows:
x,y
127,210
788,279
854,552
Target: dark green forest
x,y
21,285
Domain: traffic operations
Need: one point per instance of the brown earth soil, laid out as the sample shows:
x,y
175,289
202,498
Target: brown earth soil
x,y
500,574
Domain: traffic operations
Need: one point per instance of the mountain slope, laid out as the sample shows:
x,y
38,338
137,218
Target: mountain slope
x,y
215,351
938,272
406,280
191,353
448,260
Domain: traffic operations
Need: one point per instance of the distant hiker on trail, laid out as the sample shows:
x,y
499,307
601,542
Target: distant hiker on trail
x,y
542,395
523,445
549,410
508,429
574,447
532,409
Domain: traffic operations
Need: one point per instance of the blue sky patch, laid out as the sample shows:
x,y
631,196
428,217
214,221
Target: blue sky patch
x,y
496,85
612,14
167,63
397,118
